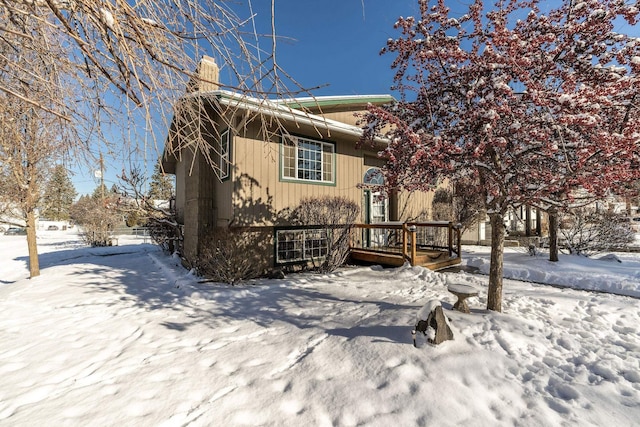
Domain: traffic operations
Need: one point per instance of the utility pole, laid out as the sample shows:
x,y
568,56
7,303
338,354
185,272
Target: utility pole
x,y
102,176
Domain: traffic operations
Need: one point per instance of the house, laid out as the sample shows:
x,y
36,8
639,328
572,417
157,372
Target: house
x,y
523,225
267,156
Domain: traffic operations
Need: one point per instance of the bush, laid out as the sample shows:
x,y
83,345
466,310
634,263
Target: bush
x,y
166,233
442,205
587,232
468,203
336,215
97,217
232,255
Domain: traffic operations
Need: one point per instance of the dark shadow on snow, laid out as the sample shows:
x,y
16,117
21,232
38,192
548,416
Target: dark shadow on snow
x,y
273,301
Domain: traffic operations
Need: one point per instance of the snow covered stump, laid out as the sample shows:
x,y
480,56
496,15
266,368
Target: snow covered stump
x,y
462,292
432,322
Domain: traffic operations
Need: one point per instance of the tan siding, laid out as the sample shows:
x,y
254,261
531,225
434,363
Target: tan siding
x,y
344,117
261,198
414,206
257,178
370,161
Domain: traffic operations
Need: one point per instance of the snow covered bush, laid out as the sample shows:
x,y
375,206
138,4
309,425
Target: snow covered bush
x,y
587,232
468,205
442,210
442,205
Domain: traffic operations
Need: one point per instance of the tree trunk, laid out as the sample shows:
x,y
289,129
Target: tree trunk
x,y
34,263
494,297
553,235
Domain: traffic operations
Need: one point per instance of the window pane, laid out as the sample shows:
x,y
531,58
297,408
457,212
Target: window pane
x,y
288,157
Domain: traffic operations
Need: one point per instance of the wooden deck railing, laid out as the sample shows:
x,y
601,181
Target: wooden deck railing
x,y
408,238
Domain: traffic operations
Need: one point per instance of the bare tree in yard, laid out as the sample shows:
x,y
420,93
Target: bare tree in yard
x,y
31,137
159,218
97,216
130,62
526,102
20,151
589,231
559,204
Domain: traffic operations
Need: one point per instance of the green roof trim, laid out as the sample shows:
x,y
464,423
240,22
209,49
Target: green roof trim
x,y
326,101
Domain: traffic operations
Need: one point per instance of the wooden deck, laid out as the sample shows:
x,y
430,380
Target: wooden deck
x,y
407,243
433,260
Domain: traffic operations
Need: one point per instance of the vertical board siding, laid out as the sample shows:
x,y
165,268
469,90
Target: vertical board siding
x,y
260,197
258,177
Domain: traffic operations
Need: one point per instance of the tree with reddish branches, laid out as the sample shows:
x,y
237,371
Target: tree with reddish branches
x,y
531,103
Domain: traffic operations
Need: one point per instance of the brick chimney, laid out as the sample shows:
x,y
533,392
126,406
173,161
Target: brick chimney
x,y
208,75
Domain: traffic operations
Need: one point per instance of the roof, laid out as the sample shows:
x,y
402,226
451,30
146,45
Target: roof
x,y
292,110
289,109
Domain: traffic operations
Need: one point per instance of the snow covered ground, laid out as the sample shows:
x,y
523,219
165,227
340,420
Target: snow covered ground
x,y
124,336
613,273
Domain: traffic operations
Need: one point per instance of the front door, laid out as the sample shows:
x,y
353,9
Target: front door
x,y
376,207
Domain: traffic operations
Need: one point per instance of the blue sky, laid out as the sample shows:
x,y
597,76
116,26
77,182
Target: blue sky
x,y
336,42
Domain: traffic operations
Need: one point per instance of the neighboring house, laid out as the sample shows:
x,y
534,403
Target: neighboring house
x,y
268,156
522,225
527,224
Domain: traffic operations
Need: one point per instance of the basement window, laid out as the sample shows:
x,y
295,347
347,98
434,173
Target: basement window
x,y
300,245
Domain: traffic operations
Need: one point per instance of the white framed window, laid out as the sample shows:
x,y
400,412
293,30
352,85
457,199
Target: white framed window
x,y
224,155
305,159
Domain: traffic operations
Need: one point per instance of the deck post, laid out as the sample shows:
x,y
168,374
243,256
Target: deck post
x,y
413,229
459,235
450,238
405,254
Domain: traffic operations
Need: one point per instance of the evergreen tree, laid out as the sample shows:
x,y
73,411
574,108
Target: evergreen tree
x,y
59,195
100,192
161,185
